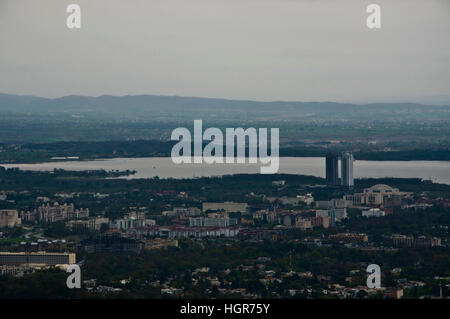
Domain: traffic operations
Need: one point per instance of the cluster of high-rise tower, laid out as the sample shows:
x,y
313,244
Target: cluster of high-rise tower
x,y
332,169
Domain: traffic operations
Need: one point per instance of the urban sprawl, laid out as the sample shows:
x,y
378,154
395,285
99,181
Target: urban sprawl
x,y
270,238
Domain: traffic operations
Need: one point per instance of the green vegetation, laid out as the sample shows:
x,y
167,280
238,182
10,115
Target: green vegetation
x,y
45,152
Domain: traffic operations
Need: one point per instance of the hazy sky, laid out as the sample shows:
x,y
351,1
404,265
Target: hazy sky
x,y
304,50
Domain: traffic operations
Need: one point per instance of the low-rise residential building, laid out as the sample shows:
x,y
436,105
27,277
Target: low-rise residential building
x,y
182,212
265,215
184,232
37,258
303,223
317,221
131,221
55,213
327,213
411,241
373,212
9,218
212,222
230,207
307,199
339,206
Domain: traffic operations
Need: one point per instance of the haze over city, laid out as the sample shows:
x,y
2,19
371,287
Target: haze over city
x,y
300,50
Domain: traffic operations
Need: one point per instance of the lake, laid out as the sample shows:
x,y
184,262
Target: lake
x,y
163,167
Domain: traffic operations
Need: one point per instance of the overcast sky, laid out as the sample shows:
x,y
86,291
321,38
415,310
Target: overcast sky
x,y
306,50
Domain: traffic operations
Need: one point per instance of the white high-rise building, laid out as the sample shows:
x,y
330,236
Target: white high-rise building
x,y
347,169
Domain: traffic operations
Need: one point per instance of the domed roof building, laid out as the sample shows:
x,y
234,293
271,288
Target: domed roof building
x,y
378,195
381,188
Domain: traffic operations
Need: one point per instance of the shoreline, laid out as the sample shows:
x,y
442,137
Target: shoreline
x,y
163,167
103,158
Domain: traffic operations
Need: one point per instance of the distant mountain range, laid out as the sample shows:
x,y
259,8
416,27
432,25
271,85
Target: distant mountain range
x,y
151,107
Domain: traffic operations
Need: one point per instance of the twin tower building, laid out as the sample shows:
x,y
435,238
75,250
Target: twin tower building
x,y
332,169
